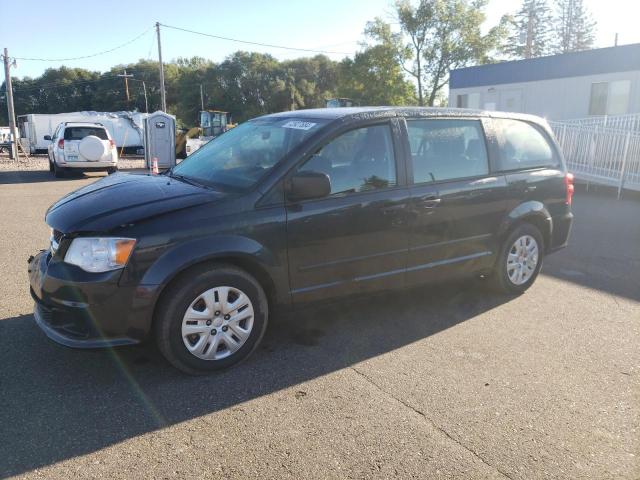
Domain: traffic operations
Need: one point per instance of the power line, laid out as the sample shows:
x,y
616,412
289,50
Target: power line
x,y
62,84
254,43
73,83
86,56
153,41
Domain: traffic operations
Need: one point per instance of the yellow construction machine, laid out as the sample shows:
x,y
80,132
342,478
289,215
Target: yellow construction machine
x,y
212,124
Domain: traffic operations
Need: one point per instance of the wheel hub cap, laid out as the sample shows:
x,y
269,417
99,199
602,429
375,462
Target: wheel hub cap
x,y
522,259
217,323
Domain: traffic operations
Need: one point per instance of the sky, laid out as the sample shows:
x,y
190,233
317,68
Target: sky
x,y
76,28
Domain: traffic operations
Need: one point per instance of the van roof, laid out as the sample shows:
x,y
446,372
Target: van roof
x,y
360,113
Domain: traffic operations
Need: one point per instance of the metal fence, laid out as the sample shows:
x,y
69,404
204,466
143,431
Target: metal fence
x,y
629,122
601,155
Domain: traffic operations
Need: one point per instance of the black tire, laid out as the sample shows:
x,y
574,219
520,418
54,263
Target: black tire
x,y
177,297
50,165
59,172
499,279
112,170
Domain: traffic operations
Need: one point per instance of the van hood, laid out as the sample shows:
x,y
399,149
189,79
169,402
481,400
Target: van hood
x,y
122,199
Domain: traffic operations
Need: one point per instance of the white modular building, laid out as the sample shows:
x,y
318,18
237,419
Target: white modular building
x,y
604,81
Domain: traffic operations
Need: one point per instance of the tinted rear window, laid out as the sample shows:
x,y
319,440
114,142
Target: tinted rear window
x,y
523,145
446,149
78,133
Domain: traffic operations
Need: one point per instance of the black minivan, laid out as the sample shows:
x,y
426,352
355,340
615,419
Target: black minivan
x,y
294,208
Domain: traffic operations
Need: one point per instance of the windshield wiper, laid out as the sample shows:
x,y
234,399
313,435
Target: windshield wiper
x,y
188,180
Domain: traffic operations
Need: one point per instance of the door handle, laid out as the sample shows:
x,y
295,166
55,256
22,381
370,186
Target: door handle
x,y
430,202
393,209
475,194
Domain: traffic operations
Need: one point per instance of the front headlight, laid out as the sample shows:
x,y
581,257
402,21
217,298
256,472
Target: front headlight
x,y
99,254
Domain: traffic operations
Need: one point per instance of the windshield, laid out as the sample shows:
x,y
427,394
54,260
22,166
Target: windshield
x,y
238,158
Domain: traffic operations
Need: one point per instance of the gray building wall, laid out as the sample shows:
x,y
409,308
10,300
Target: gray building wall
x,y
554,99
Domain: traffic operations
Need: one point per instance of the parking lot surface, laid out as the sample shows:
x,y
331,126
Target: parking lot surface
x,y
449,381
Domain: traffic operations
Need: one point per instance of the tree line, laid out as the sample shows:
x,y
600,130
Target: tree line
x,y
407,65
540,29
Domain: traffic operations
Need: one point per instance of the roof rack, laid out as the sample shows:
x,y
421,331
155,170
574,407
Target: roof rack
x,y
95,123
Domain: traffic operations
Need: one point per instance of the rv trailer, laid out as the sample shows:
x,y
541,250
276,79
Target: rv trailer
x,y
126,128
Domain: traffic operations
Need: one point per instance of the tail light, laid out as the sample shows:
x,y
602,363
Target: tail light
x,y
568,182
112,143
61,144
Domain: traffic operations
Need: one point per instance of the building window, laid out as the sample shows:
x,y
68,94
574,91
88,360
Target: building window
x,y
468,100
610,98
618,103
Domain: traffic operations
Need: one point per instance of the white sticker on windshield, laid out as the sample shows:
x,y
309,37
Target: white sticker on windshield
x,y
298,125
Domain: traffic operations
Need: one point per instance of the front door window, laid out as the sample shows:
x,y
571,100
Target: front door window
x,y
357,161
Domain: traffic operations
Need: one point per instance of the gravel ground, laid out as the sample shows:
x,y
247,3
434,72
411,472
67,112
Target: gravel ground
x,y
40,162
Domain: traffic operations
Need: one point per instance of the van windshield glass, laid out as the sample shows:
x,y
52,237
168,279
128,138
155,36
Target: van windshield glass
x,y
240,157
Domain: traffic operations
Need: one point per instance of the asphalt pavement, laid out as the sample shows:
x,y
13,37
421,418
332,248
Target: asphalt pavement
x,y
448,381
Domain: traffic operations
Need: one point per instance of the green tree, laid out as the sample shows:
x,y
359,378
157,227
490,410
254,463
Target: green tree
x,y
374,76
449,36
531,30
312,79
415,23
575,28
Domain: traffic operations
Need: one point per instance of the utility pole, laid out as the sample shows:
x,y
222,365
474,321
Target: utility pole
x,y
146,104
163,97
201,98
126,82
12,115
615,43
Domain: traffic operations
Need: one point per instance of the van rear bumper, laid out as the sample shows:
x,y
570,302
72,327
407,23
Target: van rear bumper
x,y
89,165
560,232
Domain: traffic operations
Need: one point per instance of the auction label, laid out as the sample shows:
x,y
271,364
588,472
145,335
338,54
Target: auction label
x,y
298,125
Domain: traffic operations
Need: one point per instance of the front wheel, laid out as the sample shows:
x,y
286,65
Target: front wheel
x,y
212,317
519,261
112,170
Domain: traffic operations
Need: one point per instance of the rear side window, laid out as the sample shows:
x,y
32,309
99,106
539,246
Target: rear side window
x,y
522,145
78,133
444,149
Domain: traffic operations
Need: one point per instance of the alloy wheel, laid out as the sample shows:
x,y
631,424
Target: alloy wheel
x,y
522,259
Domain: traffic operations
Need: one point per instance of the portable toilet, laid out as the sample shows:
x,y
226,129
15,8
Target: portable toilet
x,y
160,139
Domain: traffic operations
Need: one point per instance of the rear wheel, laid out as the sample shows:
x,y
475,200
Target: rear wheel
x,y
59,172
519,261
211,318
112,170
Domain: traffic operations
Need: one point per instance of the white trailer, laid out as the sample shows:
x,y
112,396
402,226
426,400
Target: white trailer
x,y
4,134
126,128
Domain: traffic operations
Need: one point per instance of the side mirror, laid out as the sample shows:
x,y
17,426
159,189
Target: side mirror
x,y
308,185
47,137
